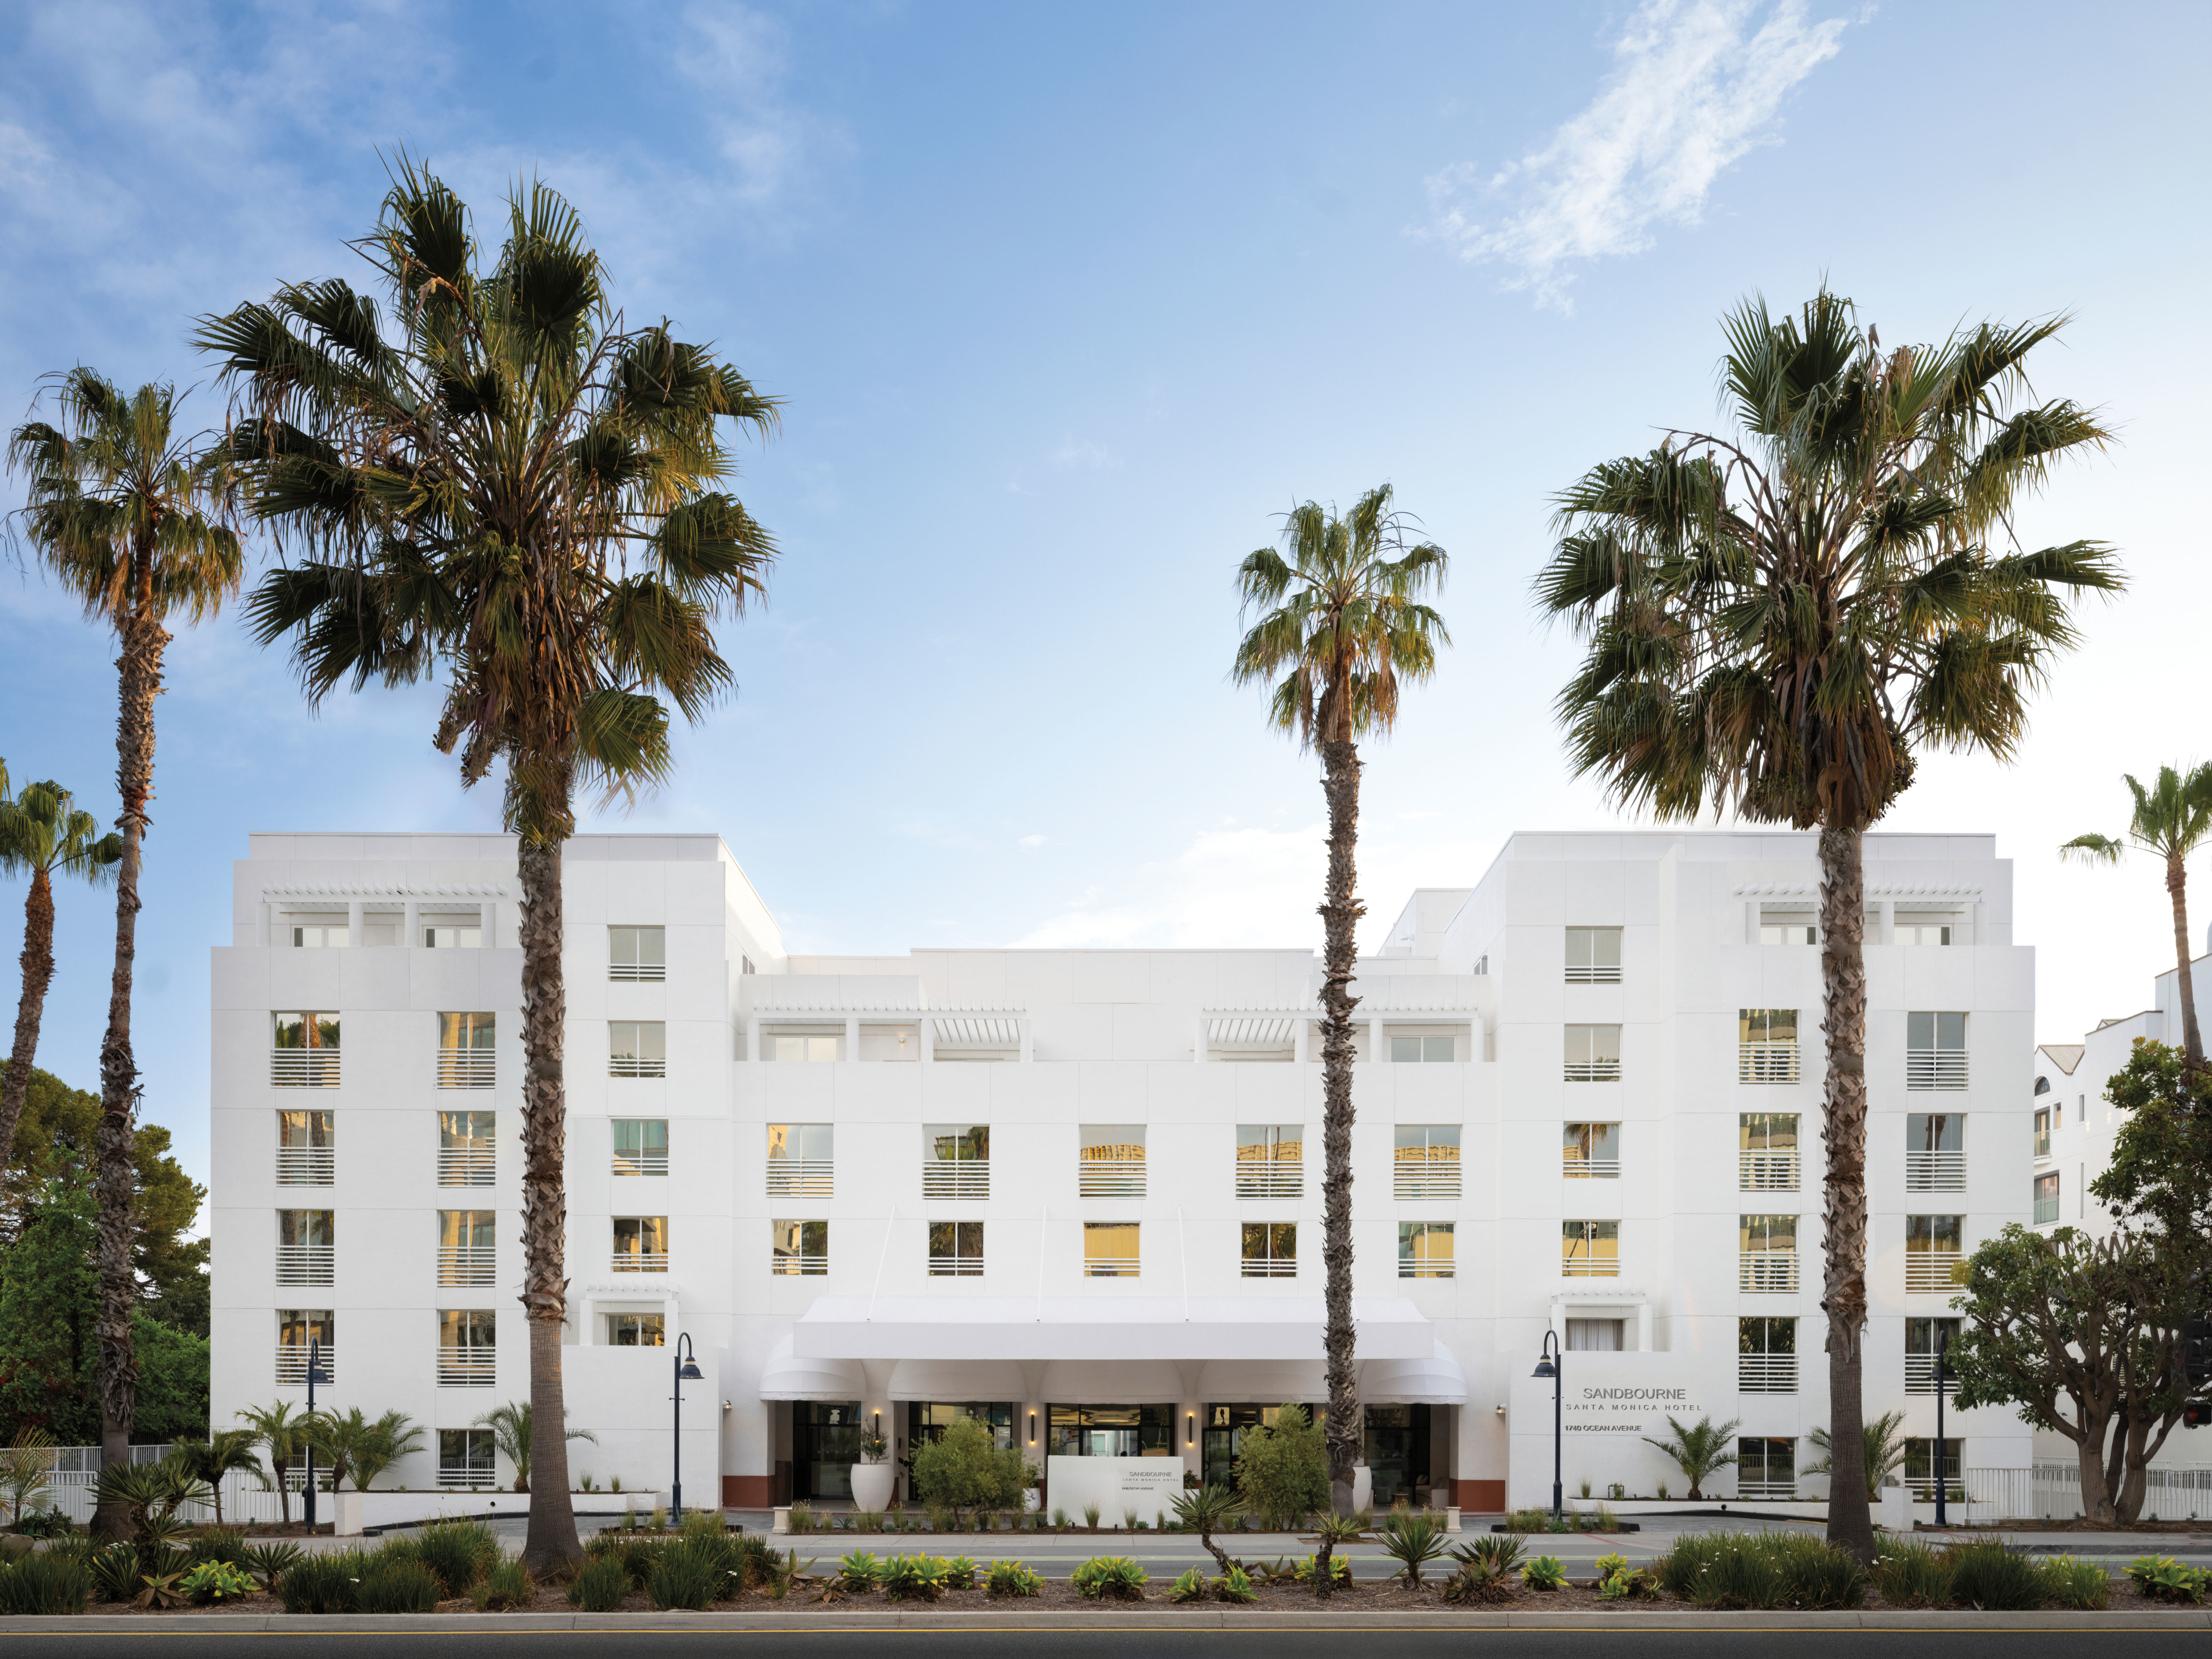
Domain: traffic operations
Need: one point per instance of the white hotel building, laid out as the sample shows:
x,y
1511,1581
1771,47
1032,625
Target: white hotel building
x,y
1077,1192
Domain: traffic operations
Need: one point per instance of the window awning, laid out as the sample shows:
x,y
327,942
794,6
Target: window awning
x,y
1105,1328
788,1377
1436,1381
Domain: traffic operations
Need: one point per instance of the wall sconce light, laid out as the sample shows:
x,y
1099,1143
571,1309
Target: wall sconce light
x,y
878,1428
1033,1428
1190,1428
1501,1411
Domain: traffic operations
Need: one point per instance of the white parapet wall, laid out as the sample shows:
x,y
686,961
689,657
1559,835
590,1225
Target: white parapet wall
x,y
353,1513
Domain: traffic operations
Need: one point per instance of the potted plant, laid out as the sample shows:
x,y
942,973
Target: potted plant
x,y
872,1476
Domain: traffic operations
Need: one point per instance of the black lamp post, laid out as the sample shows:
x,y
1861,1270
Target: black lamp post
x,y
314,1376
1942,1348
1549,1364
686,1366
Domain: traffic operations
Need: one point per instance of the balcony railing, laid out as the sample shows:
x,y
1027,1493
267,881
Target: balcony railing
x,y
1920,1375
1109,1177
482,1474
465,1265
1929,1272
465,1068
1599,975
1593,1071
638,973
1935,1172
1767,1491
1110,1266
1935,1068
1766,1373
305,1166
802,1177
1423,1183
792,1261
637,1066
969,1178
1280,1179
303,1068
955,1266
1268,1266
292,1364
1768,1172
641,1164
465,1166
1590,1266
641,1261
1766,1062
1767,1271
1575,1167
305,1264
466,1368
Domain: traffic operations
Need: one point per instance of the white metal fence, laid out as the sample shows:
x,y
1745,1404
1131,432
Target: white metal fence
x,y
244,1498
2052,1492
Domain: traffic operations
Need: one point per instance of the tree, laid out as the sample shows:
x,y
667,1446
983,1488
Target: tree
x,y
1213,1507
2161,1173
493,481
1282,1468
2170,823
49,1305
119,511
212,1458
1779,613
1880,1444
964,1469
1341,622
2084,1337
514,1430
363,1447
285,1435
1699,1450
42,835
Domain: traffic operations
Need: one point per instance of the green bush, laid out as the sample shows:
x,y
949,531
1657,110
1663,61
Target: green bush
x,y
1627,1583
960,1573
2162,1578
601,1585
754,1560
115,1572
1986,1575
322,1583
1282,1468
1608,1565
2082,1585
396,1583
458,1553
1235,1585
45,1584
859,1571
1413,1541
1109,1577
966,1470
1911,1574
270,1562
1189,1586
914,1577
220,1544
212,1581
1544,1573
689,1576
1013,1578
508,1584
1340,1570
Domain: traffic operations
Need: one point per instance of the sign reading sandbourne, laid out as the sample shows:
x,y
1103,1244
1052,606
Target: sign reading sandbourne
x,y
1611,1402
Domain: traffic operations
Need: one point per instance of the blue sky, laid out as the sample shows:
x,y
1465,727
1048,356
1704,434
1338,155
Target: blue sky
x,y
1068,303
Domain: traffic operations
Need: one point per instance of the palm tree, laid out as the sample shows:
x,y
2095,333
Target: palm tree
x,y
41,832
494,482
286,1437
2171,822
1883,1447
1699,1450
1778,614
514,1431
119,511
1341,621
362,1447
211,1459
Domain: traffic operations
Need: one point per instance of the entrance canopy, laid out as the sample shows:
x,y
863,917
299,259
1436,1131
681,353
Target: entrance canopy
x,y
956,1381
1103,1328
788,1377
1436,1381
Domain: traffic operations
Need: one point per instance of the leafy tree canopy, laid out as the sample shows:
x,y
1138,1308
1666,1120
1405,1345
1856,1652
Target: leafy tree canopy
x,y
1282,1467
964,1469
2161,1174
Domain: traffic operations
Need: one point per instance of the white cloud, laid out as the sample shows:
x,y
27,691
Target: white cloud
x,y
1695,86
1072,452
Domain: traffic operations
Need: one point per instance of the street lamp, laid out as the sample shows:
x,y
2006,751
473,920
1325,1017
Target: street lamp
x,y
1549,1364
314,1376
1942,1348
687,1371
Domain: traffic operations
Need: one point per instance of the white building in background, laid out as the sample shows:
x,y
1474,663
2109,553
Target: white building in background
x,y
1076,1193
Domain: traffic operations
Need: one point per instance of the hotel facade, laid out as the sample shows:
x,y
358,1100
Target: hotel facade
x,y
1077,1193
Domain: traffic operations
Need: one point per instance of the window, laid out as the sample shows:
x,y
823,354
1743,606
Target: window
x,y
1936,1153
640,1145
467,1457
1767,1249
799,1247
1112,1430
467,1246
1921,1338
637,1330
1270,1250
1110,1163
1766,1045
297,1328
1923,932
2046,1198
1934,1246
466,1357
1270,1160
1593,956
955,1249
2043,1086
1766,1467
1590,1249
322,935
1789,931
1110,1250
955,1160
640,1244
1425,1162
637,953
304,1050
637,1048
453,936
1590,1152
305,1156
464,1051
801,1160
818,1049
1934,1051
1425,1249
465,1149
1593,1054
1404,1048
1596,1335
1766,1356
2043,1132
306,1246
1768,1151
1921,1473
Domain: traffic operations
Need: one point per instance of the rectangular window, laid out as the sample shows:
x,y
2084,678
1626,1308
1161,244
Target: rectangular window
x,y
1767,1249
322,935
801,1160
955,1160
1424,1049
1766,1049
1766,1468
465,1149
1590,1152
1921,1473
1270,1160
640,1145
1921,1338
1768,1151
1934,1051
821,1049
1934,1245
305,1155
799,1247
1766,1356
464,1051
465,1348
1425,1162
640,1244
1590,1249
306,1250
1593,956
467,1458
955,1249
1425,1249
1936,1153
637,1330
1597,1335
1593,1054
304,1050
1110,1250
1111,1430
1788,932
2046,1198
1110,1161
296,1329
1923,932
2043,1132
637,1048
637,953
467,1246
452,937
1270,1250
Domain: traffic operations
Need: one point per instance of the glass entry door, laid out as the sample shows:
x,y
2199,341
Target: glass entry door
x,y
825,1443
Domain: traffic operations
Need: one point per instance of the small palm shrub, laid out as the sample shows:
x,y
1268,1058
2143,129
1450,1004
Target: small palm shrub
x,y
212,1581
115,1572
2082,1585
393,1582
1986,1575
458,1553
269,1562
1911,1574
914,1577
2162,1578
1235,1585
44,1584
321,1584
1544,1573
601,1585
1013,1578
1412,1541
1189,1586
508,1584
1110,1578
689,1576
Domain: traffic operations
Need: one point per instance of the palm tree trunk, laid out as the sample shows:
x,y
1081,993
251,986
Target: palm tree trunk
x,y
38,973
1340,911
552,1545
2176,884
1843,994
140,665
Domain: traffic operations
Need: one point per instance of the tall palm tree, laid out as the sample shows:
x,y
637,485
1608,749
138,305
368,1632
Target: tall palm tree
x,y
2171,822
1341,622
42,832
121,513
1779,613
490,480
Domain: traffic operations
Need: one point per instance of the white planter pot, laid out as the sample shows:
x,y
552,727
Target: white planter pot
x,y
872,1486
1363,1487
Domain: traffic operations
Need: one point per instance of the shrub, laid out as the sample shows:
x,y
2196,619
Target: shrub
x,y
867,1521
1189,1586
2162,1578
270,1562
2082,1585
1091,1516
458,1553
115,1572
1013,1578
1608,1565
960,1573
45,1584
1816,1575
1412,1541
802,1517
1986,1575
1911,1574
508,1584
913,1577
1059,1517
393,1582
216,1581
859,1571
321,1584
754,1560
688,1576
1109,1577
1340,1570
1235,1585
1282,1467
1627,1583
601,1585
220,1544
1741,1574
965,1469
1544,1573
